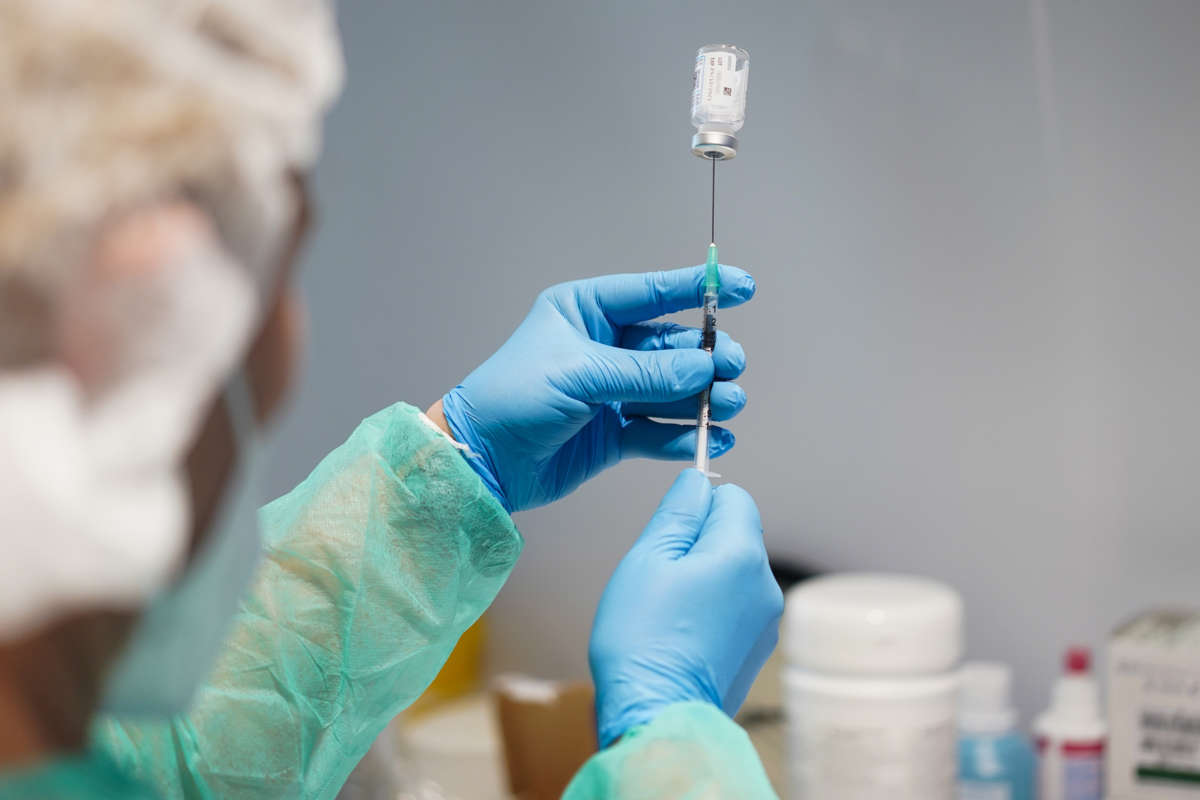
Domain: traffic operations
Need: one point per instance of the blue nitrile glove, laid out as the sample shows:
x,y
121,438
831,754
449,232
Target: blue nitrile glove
x,y
571,391
691,613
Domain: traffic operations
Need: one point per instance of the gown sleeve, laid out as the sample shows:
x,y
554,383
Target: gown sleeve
x,y
374,566
691,751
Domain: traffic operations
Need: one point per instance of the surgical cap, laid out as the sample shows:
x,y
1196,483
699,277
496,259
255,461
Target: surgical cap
x,y
114,104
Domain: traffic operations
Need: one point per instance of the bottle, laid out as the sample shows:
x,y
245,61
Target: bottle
x,y
995,762
1071,735
719,83
870,687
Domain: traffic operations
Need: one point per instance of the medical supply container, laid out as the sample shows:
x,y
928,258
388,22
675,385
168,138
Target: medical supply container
x,y
1154,707
995,761
719,83
1071,734
870,687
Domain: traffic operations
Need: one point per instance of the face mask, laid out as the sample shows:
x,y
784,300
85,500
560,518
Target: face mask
x,y
93,496
176,642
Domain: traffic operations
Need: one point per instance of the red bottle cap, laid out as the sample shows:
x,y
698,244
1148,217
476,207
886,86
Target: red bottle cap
x,y
1078,661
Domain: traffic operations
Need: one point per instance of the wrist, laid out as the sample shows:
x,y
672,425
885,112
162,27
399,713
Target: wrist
x,y
636,717
631,696
437,416
611,728
452,411
617,716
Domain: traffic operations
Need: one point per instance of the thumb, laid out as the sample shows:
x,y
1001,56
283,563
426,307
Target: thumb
x,y
680,517
616,375
733,531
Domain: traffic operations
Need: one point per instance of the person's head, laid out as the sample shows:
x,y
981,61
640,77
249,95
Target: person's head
x,y
152,201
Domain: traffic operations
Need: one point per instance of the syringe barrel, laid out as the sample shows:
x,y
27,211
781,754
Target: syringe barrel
x,y
702,423
708,342
708,334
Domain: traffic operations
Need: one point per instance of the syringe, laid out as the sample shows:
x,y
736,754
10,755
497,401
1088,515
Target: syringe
x,y
708,341
718,113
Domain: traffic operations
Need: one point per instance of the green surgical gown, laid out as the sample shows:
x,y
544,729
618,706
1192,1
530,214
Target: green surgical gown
x,y
373,568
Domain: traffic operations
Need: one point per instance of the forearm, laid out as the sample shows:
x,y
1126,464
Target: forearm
x,y
374,566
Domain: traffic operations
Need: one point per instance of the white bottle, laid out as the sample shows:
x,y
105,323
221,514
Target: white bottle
x,y
870,687
1071,735
995,761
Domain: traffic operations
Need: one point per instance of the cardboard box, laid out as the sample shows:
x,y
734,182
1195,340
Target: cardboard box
x,y
1154,707
549,731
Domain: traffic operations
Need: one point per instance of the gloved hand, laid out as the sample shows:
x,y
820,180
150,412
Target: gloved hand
x,y
570,392
691,613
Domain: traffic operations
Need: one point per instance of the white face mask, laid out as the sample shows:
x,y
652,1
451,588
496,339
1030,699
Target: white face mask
x,y
175,643
93,498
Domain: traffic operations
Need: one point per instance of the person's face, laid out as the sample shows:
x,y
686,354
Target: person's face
x,y
50,680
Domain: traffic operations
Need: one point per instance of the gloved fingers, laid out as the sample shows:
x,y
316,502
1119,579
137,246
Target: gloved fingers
x,y
729,359
726,402
625,299
677,522
733,532
615,375
758,655
665,441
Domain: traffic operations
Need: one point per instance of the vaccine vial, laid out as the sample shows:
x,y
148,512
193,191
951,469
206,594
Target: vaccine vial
x,y
719,99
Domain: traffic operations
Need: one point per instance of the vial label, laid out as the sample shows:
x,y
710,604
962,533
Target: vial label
x,y
716,84
1083,778
977,790
1071,771
1161,746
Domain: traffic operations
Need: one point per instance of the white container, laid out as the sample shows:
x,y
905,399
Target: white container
x,y
870,687
995,761
1154,707
1071,735
455,752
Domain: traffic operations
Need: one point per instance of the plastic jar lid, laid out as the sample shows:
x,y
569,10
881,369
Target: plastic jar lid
x,y
873,624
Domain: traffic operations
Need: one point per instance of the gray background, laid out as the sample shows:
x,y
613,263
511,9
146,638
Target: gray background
x,y
974,230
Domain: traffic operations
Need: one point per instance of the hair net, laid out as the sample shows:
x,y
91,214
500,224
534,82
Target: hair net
x,y
118,107
116,103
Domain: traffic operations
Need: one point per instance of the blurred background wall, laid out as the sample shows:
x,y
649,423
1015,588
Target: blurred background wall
x,y
973,225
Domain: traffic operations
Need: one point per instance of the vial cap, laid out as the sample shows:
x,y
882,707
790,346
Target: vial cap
x,y
985,697
1078,660
873,624
1075,699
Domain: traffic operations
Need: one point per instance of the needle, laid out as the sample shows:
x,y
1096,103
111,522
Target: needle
x,y
713,217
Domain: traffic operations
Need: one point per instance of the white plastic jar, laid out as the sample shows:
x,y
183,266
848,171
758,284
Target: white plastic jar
x,y
870,687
